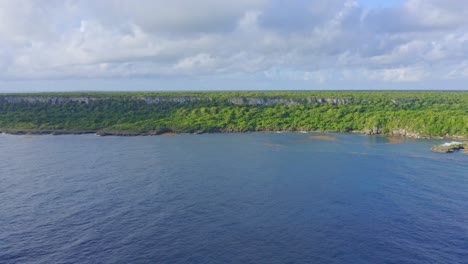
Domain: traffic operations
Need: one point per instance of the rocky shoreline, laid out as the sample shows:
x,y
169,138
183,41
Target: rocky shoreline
x,y
397,133
45,132
444,148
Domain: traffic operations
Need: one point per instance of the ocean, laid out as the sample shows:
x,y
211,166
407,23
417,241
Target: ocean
x,y
231,198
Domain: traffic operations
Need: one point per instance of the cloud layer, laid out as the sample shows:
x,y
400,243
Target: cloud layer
x,y
317,41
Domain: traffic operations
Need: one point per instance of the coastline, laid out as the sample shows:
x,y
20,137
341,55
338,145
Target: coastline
x,y
173,133
435,115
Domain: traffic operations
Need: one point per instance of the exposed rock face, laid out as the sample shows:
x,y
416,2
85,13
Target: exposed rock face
x,y
404,133
397,132
45,132
261,101
49,100
451,147
373,131
401,101
181,100
253,101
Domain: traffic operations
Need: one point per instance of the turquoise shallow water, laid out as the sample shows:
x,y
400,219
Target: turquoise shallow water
x,y
231,198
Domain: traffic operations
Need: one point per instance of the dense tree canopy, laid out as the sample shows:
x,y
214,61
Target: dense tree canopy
x,y
424,113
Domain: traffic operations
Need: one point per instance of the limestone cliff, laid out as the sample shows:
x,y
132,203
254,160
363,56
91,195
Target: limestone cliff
x,y
252,101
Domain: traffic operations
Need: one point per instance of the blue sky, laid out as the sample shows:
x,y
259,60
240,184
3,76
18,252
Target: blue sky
x,y
381,3
233,45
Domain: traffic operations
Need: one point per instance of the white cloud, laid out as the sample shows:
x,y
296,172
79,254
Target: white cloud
x,y
402,74
175,16
438,13
316,41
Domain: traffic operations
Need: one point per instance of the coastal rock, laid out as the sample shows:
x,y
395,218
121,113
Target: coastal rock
x,y
405,133
373,131
451,147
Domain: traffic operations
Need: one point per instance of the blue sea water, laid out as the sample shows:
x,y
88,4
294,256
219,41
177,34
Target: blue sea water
x,y
231,198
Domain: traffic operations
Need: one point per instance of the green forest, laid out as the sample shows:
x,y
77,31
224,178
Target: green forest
x,y
426,114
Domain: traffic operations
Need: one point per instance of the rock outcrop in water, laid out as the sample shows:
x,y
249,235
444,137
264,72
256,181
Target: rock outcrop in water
x,y
451,147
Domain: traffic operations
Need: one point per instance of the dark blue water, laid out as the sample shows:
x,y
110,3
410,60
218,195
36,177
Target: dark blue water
x,y
231,198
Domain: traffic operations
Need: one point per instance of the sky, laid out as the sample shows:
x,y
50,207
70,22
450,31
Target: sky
x,y
136,45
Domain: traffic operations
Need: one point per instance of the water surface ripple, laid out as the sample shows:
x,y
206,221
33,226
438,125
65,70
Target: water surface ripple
x,y
231,198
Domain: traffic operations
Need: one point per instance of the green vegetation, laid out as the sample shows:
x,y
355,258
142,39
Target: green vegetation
x,y
404,113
